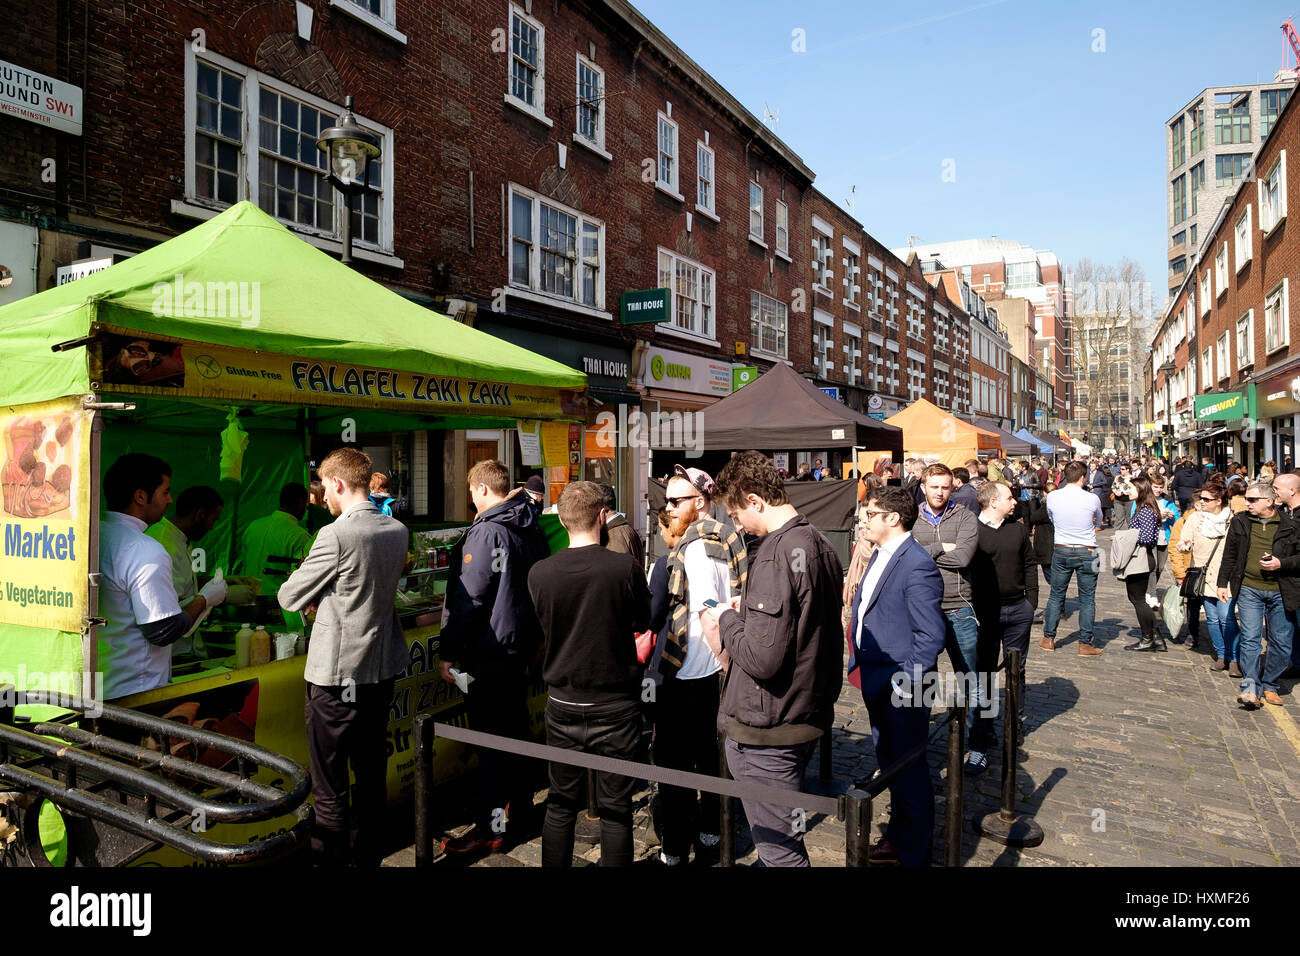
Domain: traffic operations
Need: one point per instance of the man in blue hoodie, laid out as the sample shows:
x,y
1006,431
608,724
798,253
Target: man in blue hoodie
x,y
490,631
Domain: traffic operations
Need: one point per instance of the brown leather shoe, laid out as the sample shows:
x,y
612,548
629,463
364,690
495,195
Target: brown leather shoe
x,y
1234,669
1218,665
883,853
474,843
1272,697
1087,650
1047,644
1248,700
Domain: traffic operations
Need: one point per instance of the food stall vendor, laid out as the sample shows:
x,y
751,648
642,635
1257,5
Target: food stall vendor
x,y
276,536
137,596
198,509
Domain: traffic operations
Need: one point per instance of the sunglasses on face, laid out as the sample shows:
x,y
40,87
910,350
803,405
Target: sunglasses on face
x,y
1259,499
1209,500
674,502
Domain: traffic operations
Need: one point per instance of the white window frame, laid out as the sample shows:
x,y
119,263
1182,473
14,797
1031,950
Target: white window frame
x,y
702,151
783,311
1270,217
1245,358
668,186
1238,232
756,237
250,156
783,230
536,110
821,264
596,145
1221,270
1282,294
534,286
671,327
1207,365
1223,356
852,264
385,22
1205,292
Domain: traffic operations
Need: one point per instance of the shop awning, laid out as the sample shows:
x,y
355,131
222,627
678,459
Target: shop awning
x,y
245,288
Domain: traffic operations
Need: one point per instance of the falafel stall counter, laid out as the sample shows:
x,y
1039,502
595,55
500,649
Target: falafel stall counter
x,y
143,357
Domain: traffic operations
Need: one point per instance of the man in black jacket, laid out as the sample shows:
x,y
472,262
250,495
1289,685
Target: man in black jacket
x,y
1261,570
490,632
786,645
1100,480
1004,579
590,604
1187,481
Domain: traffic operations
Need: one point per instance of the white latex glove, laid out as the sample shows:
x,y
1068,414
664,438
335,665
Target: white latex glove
x,y
214,592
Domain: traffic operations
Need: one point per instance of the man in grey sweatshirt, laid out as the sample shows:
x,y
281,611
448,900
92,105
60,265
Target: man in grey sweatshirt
x,y
949,533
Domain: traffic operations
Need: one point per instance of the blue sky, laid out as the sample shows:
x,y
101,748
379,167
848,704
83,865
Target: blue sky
x,y
1050,143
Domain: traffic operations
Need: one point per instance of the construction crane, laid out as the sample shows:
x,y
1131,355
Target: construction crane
x,y
1288,29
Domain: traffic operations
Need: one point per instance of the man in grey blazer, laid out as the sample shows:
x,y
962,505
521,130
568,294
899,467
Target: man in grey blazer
x,y
350,577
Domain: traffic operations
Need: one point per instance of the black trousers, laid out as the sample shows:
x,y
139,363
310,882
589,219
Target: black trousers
x,y
346,725
609,730
686,738
497,703
1136,586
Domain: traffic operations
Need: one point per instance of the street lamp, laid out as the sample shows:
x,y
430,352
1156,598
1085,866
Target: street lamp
x,y
1168,370
350,150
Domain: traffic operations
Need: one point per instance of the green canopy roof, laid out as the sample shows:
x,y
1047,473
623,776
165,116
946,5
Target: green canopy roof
x,y
308,305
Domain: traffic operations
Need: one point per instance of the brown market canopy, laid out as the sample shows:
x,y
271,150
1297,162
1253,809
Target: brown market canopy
x,y
783,411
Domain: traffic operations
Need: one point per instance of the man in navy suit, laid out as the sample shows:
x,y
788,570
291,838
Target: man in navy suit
x,y
898,631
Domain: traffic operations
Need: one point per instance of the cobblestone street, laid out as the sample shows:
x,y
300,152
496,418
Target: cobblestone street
x,y
1139,759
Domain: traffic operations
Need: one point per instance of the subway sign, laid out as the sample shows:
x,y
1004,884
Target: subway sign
x,y
1220,407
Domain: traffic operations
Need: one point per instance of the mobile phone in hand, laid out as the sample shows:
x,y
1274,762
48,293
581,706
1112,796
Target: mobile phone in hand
x,y
710,603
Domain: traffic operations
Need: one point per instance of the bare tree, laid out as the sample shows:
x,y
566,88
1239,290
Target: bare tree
x,y
1112,304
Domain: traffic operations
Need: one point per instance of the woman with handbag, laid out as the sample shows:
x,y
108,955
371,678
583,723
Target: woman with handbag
x,y
1146,519
1203,537
1180,562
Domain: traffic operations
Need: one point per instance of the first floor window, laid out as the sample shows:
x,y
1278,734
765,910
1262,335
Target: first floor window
x,y
692,287
667,153
782,228
1246,339
251,135
704,177
526,76
767,323
555,250
1221,347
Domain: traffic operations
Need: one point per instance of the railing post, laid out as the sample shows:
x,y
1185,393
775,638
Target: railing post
x,y
1006,826
727,812
953,788
857,827
824,761
424,735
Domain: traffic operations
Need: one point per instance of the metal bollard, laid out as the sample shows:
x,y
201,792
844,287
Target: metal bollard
x,y
593,813
1006,826
727,812
953,788
857,827
423,790
824,760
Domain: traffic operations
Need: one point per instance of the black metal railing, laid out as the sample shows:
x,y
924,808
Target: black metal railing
x,y
94,774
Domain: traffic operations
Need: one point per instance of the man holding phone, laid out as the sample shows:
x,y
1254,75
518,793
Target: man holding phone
x,y
1259,568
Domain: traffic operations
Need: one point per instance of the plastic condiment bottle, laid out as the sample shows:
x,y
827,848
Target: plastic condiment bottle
x,y
260,647
243,641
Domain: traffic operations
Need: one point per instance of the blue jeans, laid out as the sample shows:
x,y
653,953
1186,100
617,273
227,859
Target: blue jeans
x,y
1261,671
1222,622
963,650
1065,563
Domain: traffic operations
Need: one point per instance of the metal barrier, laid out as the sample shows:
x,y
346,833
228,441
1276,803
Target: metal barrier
x,y
127,786
1006,826
854,807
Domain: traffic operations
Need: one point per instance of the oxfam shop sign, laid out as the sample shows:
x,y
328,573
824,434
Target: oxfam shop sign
x,y
683,372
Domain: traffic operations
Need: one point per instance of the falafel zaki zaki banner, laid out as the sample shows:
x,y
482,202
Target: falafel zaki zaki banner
x,y
169,367
45,475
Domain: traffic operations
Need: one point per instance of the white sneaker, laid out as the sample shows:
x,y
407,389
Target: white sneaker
x,y
667,860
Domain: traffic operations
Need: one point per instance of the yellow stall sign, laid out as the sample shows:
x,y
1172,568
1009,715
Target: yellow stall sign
x,y
45,475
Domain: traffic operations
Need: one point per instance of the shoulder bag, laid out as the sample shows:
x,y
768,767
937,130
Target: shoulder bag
x,y
1193,585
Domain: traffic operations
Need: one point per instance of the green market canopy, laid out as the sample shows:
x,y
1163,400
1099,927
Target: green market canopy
x,y
230,294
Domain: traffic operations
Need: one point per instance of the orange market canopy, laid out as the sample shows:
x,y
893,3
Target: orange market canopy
x,y
930,432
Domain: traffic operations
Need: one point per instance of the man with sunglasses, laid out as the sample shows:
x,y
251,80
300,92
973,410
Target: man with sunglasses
x,y
707,565
1260,569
